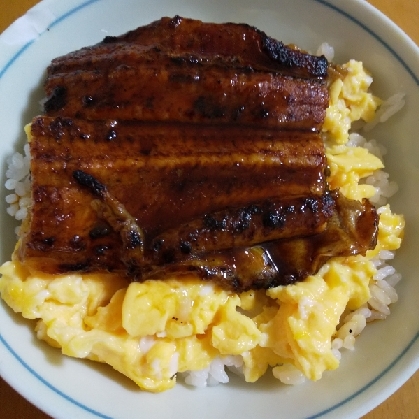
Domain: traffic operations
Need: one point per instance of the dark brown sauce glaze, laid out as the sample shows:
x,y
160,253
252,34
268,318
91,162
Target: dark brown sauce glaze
x,y
352,229
198,94
237,227
219,248
191,72
237,44
185,146
184,170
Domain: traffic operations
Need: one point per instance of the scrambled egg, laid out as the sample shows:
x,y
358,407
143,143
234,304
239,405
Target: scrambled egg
x,y
349,101
154,330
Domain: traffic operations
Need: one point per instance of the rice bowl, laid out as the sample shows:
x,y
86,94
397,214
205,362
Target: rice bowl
x,y
386,256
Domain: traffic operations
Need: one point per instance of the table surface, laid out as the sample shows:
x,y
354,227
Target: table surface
x,y
404,404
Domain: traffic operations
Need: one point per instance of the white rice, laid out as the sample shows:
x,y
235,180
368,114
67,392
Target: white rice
x,y
383,294
19,183
387,109
327,50
215,373
289,374
379,179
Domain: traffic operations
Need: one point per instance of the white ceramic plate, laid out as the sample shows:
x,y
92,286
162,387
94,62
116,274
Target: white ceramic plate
x,y
386,354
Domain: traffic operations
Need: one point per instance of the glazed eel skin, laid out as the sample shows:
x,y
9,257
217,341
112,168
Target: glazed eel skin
x,y
184,70
187,147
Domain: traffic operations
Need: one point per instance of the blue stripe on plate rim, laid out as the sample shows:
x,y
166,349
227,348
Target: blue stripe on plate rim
x,y
317,415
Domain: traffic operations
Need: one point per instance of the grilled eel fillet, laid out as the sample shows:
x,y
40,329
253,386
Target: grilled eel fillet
x,y
351,229
184,70
185,146
167,175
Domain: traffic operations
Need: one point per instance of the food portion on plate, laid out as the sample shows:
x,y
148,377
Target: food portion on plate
x,y
198,199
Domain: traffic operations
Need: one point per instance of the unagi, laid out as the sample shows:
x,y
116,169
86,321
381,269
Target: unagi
x,y
185,146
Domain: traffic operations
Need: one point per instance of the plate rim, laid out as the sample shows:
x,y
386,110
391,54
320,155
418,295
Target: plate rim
x,y
337,6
